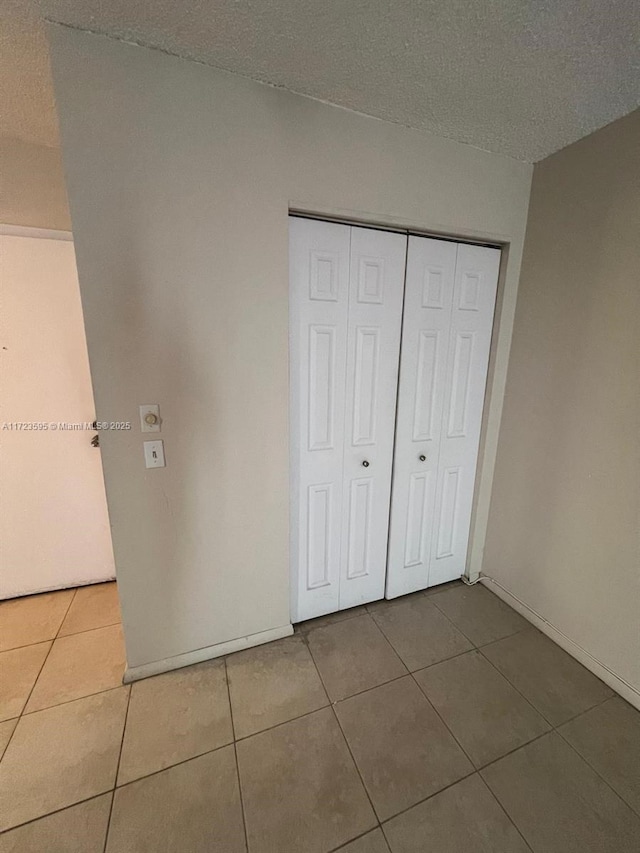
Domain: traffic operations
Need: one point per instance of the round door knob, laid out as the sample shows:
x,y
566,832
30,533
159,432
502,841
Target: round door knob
x,y
365,464
422,457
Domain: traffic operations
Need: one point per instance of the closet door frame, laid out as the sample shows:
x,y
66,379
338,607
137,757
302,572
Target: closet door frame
x,y
494,395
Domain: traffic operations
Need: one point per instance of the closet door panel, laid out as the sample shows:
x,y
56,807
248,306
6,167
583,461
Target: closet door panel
x,y
319,294
373,345
428,304
474,297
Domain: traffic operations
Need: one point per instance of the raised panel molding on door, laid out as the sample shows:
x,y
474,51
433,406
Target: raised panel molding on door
x,y
346,311
448,318
474,300
373,350
425,340
319,297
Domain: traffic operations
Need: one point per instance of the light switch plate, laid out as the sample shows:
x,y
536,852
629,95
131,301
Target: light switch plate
x,y
150,410
154,454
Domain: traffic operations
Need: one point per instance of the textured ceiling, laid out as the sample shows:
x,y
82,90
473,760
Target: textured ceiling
x,y
27,106
518,77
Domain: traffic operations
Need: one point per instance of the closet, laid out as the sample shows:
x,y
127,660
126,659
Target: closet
x,y
389,348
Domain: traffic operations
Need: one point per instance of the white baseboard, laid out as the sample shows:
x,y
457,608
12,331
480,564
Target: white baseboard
x,y
38,233
135,673
622,687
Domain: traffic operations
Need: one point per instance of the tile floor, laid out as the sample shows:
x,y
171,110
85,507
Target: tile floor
x,y
439,722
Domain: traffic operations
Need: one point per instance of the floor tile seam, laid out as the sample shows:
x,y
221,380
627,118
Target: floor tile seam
x,y
505,812
60,636
527,624
390,644
226,679
506,637
443,721
6,746
443,660
357,769
589,765
451,622
479,767
171,766
66,612
75,699
446,788
514,750
586,711
57,811
381,629
344,844
538,711
235,754
517,689
24,712
597,772
355,764
473,772
115,778
46,658
329,704
28,645
241,797
366,689
242,738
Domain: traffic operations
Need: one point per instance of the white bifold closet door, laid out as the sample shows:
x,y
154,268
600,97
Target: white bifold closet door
x,y
346,290
449,304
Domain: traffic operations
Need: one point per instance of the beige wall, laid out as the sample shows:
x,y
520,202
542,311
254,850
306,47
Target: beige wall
x,y
180,181
32,187
564,527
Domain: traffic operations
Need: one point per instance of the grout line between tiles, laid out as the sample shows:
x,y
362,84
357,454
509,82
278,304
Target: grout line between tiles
x,y
586,711
66,613
506,813
444,660
115,780
356,838
537,710
355,763
466,636
474,772
241,795
55,811
517,689
283,723
60,636
75,699
171,766
586,760
235,753
442,720
35,681
451,622
515,749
